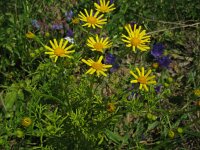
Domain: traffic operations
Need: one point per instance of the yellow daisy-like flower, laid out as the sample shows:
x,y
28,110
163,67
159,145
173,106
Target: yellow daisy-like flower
x,y
92,19
30,35
197,92
75,20
136,38
104,7
111,107
26,121
59,50
97,67
98,45
143,78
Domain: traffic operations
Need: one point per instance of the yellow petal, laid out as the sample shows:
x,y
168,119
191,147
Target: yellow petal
x,y
148,73
89,64
131,72
139,73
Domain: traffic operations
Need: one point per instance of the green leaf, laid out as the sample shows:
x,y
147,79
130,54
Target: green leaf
x,y
114,136
9,100
152,126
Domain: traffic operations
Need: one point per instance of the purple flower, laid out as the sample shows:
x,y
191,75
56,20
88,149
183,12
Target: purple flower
x,y
164,61
157,50
111,59
35,23
70,32
69,15
158,89
114,68
111,1
57,26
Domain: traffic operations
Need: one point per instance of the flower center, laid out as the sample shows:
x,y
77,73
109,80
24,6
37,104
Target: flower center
x,y
97,66
142,80
104,8
98,46
59,51
135,41
91,20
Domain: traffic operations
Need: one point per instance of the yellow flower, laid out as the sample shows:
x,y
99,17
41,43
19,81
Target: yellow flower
x,y
59,50
98,45
75,20
92,19
171,134
136,38
197,92
26,121
97,67
155,65
143,79
30,35
104,7
111,107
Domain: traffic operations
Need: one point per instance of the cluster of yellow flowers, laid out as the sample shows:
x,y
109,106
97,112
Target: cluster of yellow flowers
x,y
136,38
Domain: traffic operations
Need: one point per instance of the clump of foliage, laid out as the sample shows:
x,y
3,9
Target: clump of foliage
x,y
94,75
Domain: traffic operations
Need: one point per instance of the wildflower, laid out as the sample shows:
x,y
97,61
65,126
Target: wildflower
x,y
111,59
26,121
171,134
136,38
100,44
151,116
92,19
143,79
70,32
71,40
57,26
197,92
97,67
35,23
166,84
47,34
19,133
75,20
155,65
104,7
111,107
157,50
164,61
158,89
180,130
59,50
69,15
170,80
30,35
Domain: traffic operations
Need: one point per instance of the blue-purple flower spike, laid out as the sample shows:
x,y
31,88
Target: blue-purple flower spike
x,y
111,59
157,50
70,33
57,26
164,61
69,15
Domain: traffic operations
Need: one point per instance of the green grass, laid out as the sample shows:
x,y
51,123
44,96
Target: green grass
x,y
72,110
